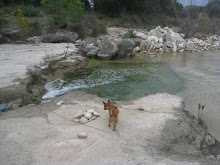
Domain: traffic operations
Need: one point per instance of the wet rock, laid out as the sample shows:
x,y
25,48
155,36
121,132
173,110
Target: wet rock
x,y
108,50
88,48
93,52
82,135
16,104
60,36
78,114
125,48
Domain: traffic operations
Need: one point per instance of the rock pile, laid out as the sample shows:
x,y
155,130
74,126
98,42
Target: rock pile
x,y
158,40
85,117
166,40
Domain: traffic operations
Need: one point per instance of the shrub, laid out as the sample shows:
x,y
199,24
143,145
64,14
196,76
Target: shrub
x,y
89,22
64,11
213,9
35,24
22,23
28,11
129,34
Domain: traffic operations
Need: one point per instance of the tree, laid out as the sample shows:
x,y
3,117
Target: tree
x,y
213,8
64,11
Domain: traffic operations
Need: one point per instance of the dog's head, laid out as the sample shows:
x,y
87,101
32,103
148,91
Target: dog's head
x,y
106,105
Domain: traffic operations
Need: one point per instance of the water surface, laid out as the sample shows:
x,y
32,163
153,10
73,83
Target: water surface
x,y
193,76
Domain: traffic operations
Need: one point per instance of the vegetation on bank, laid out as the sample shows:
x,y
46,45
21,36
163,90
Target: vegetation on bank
x,y
77,15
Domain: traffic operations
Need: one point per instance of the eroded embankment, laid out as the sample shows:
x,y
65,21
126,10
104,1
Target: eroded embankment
x,y
25,69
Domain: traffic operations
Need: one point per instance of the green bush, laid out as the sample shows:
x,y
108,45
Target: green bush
x,y
91,22
35,24
23,2
213,9
28,11
64,11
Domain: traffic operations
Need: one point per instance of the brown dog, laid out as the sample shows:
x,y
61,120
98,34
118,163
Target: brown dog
x,y
113,113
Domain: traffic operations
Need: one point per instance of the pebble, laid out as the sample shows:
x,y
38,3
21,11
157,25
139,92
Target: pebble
x,y
96,114
82,135
91,111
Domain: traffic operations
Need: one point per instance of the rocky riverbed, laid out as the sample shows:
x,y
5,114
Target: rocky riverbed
x,y
151,130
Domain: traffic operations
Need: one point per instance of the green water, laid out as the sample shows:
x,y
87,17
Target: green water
x,y
193,76
125,81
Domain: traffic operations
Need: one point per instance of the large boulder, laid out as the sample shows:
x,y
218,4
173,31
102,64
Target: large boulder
x,y
60,36
108,50
125,48
171,36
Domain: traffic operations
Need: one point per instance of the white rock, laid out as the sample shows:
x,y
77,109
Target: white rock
x,y
83,120
60,103
160,40
93,118
96,114
91,111
75,120
82,135
88,115
137,49
174,48
78,114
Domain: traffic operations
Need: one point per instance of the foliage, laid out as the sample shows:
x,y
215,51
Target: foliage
x,y
28,11
3,22
93,63
115,8
35,24
90,22
129,34
64,11
23,2
22,23
213,9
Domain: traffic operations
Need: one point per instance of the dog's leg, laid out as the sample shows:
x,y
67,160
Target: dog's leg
x,y
109,121
116,120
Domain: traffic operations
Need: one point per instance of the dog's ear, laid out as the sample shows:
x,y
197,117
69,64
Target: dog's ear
x,y
109,101
104,102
